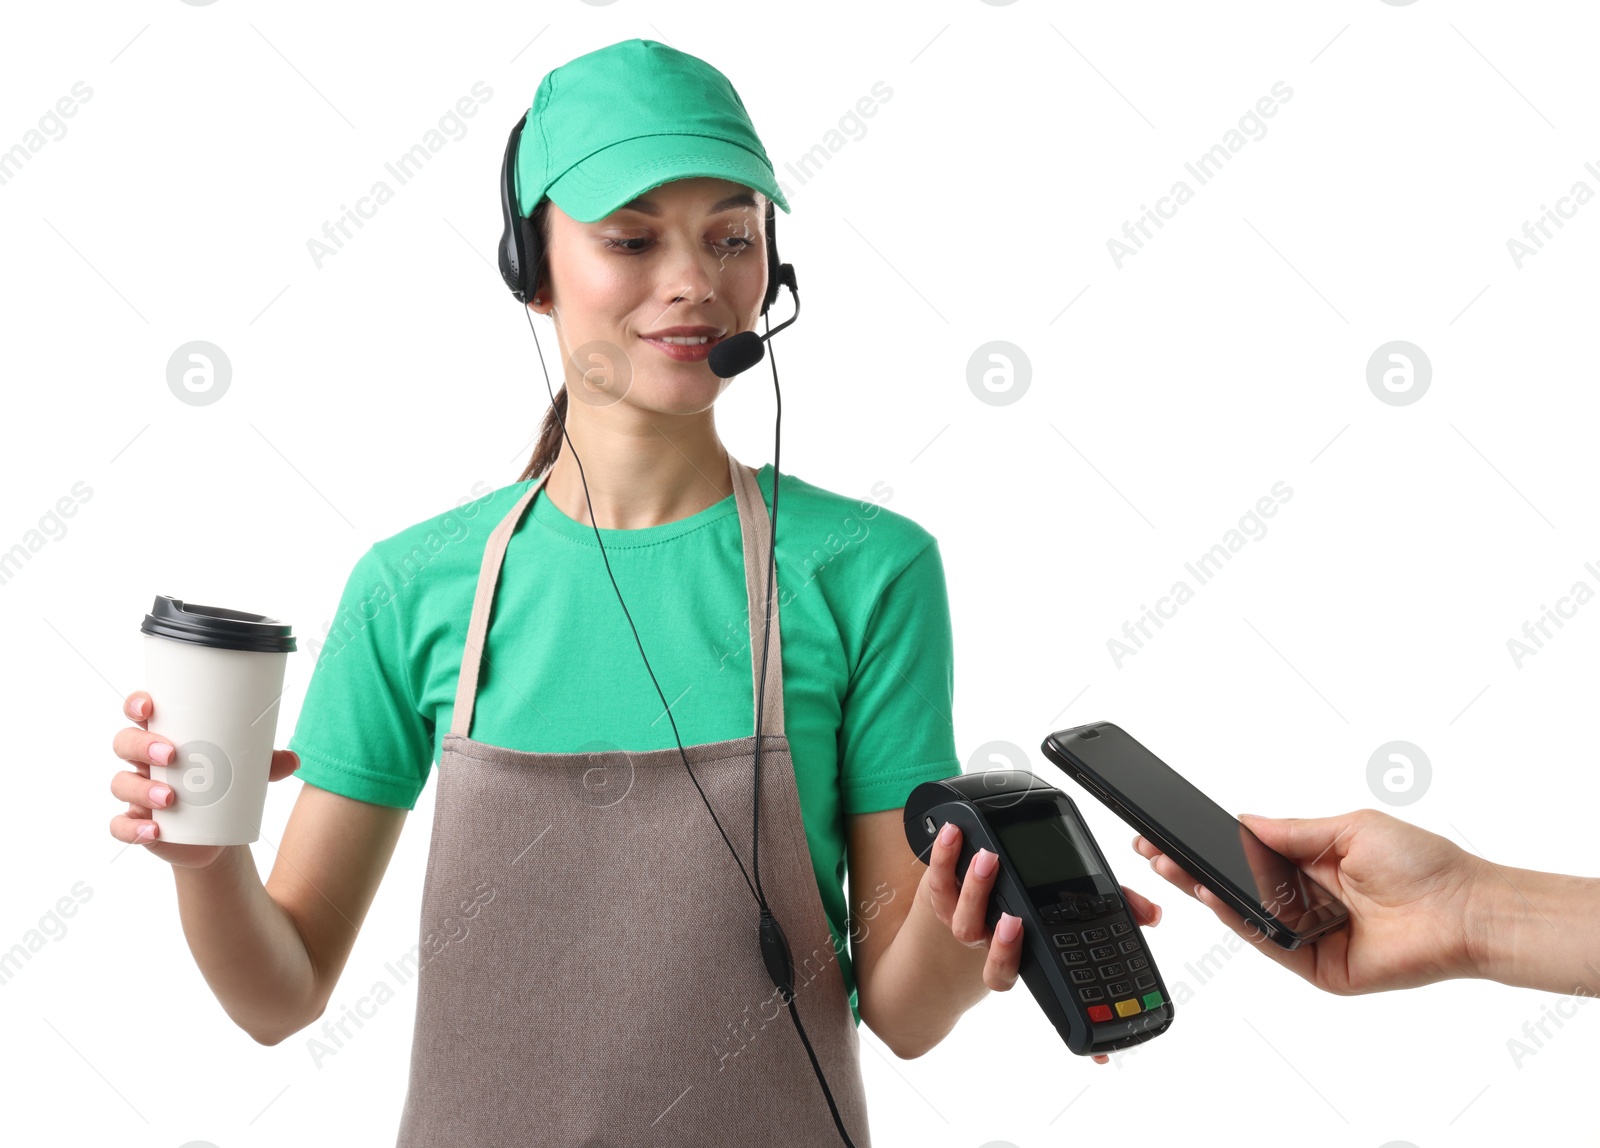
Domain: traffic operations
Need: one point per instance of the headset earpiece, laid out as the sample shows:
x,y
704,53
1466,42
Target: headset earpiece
x,y
514,249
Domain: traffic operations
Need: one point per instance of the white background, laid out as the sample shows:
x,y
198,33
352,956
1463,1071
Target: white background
x,y
1166,397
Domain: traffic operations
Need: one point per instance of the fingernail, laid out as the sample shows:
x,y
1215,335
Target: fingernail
x,y
947,835
138,708
1197,892
159,794
146,832
161,753
983,864
1009,928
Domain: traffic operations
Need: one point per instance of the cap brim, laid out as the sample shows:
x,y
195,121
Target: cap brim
x,y
594,188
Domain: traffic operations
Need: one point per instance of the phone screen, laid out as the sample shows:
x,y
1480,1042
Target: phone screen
x,y
1209,833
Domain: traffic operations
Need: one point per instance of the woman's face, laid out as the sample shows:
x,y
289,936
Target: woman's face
x,y
690,253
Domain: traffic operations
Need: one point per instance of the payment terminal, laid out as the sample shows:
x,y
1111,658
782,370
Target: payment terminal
x,y
1084,957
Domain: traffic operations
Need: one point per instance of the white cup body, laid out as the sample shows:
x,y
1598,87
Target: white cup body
x,y
220,708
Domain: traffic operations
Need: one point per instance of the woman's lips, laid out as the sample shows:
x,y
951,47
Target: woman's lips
x,y
685,352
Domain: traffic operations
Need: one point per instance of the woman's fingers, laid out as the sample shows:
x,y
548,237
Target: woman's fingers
x,y
133,829
970,927
140,748
968,922
143,749
136,745
138,707
1005,954
959,905
941,875
141,794
963,908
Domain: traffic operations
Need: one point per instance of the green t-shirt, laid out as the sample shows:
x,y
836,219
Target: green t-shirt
x,y
867,653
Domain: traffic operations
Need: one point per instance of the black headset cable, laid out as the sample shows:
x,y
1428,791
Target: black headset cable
x,y
775,950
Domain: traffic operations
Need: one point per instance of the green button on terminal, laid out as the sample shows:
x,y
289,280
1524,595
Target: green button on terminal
x,y
1153,1000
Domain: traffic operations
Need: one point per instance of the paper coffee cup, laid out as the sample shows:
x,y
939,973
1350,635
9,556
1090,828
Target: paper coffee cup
x,y
215,677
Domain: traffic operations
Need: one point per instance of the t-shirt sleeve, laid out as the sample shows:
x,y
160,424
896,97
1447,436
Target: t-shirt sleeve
x,y
896,730
359,732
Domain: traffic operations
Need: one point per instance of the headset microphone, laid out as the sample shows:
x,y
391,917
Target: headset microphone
x,y
738,353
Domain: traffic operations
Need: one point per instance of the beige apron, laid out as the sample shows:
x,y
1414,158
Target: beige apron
x,y
590,965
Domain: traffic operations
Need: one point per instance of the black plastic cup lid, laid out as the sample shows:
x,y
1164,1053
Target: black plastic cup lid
x,y
216,627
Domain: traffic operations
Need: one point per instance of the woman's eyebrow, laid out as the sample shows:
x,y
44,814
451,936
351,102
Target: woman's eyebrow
x,y
646,207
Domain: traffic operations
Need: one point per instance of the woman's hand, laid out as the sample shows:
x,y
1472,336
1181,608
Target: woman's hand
x,y
136,745
961,908
1410,894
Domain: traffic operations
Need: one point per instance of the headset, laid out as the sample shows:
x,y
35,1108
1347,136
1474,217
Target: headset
x,y
521,252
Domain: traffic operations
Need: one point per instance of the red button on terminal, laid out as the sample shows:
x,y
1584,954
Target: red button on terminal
x,y
1099,1012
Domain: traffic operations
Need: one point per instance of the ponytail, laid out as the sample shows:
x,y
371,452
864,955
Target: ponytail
x,y
544,455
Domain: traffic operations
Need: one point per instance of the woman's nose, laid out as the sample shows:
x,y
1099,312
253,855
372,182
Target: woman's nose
x,y
691,274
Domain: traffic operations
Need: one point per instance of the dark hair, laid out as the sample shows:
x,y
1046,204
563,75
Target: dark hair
x,y
549,446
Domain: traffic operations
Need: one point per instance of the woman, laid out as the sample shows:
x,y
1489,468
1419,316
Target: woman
x,y
588,964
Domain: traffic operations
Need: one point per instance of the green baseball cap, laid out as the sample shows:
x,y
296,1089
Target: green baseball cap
x,y
608,126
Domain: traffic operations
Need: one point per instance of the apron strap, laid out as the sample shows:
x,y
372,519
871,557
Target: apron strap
x,y
755,528
482,605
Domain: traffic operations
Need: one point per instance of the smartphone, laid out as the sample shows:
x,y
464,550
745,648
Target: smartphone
x,y
1262,885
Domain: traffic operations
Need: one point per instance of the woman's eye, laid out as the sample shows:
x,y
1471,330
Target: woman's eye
x,y
622,244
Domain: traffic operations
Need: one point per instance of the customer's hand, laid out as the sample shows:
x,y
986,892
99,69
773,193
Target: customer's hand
x,y
1414,900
